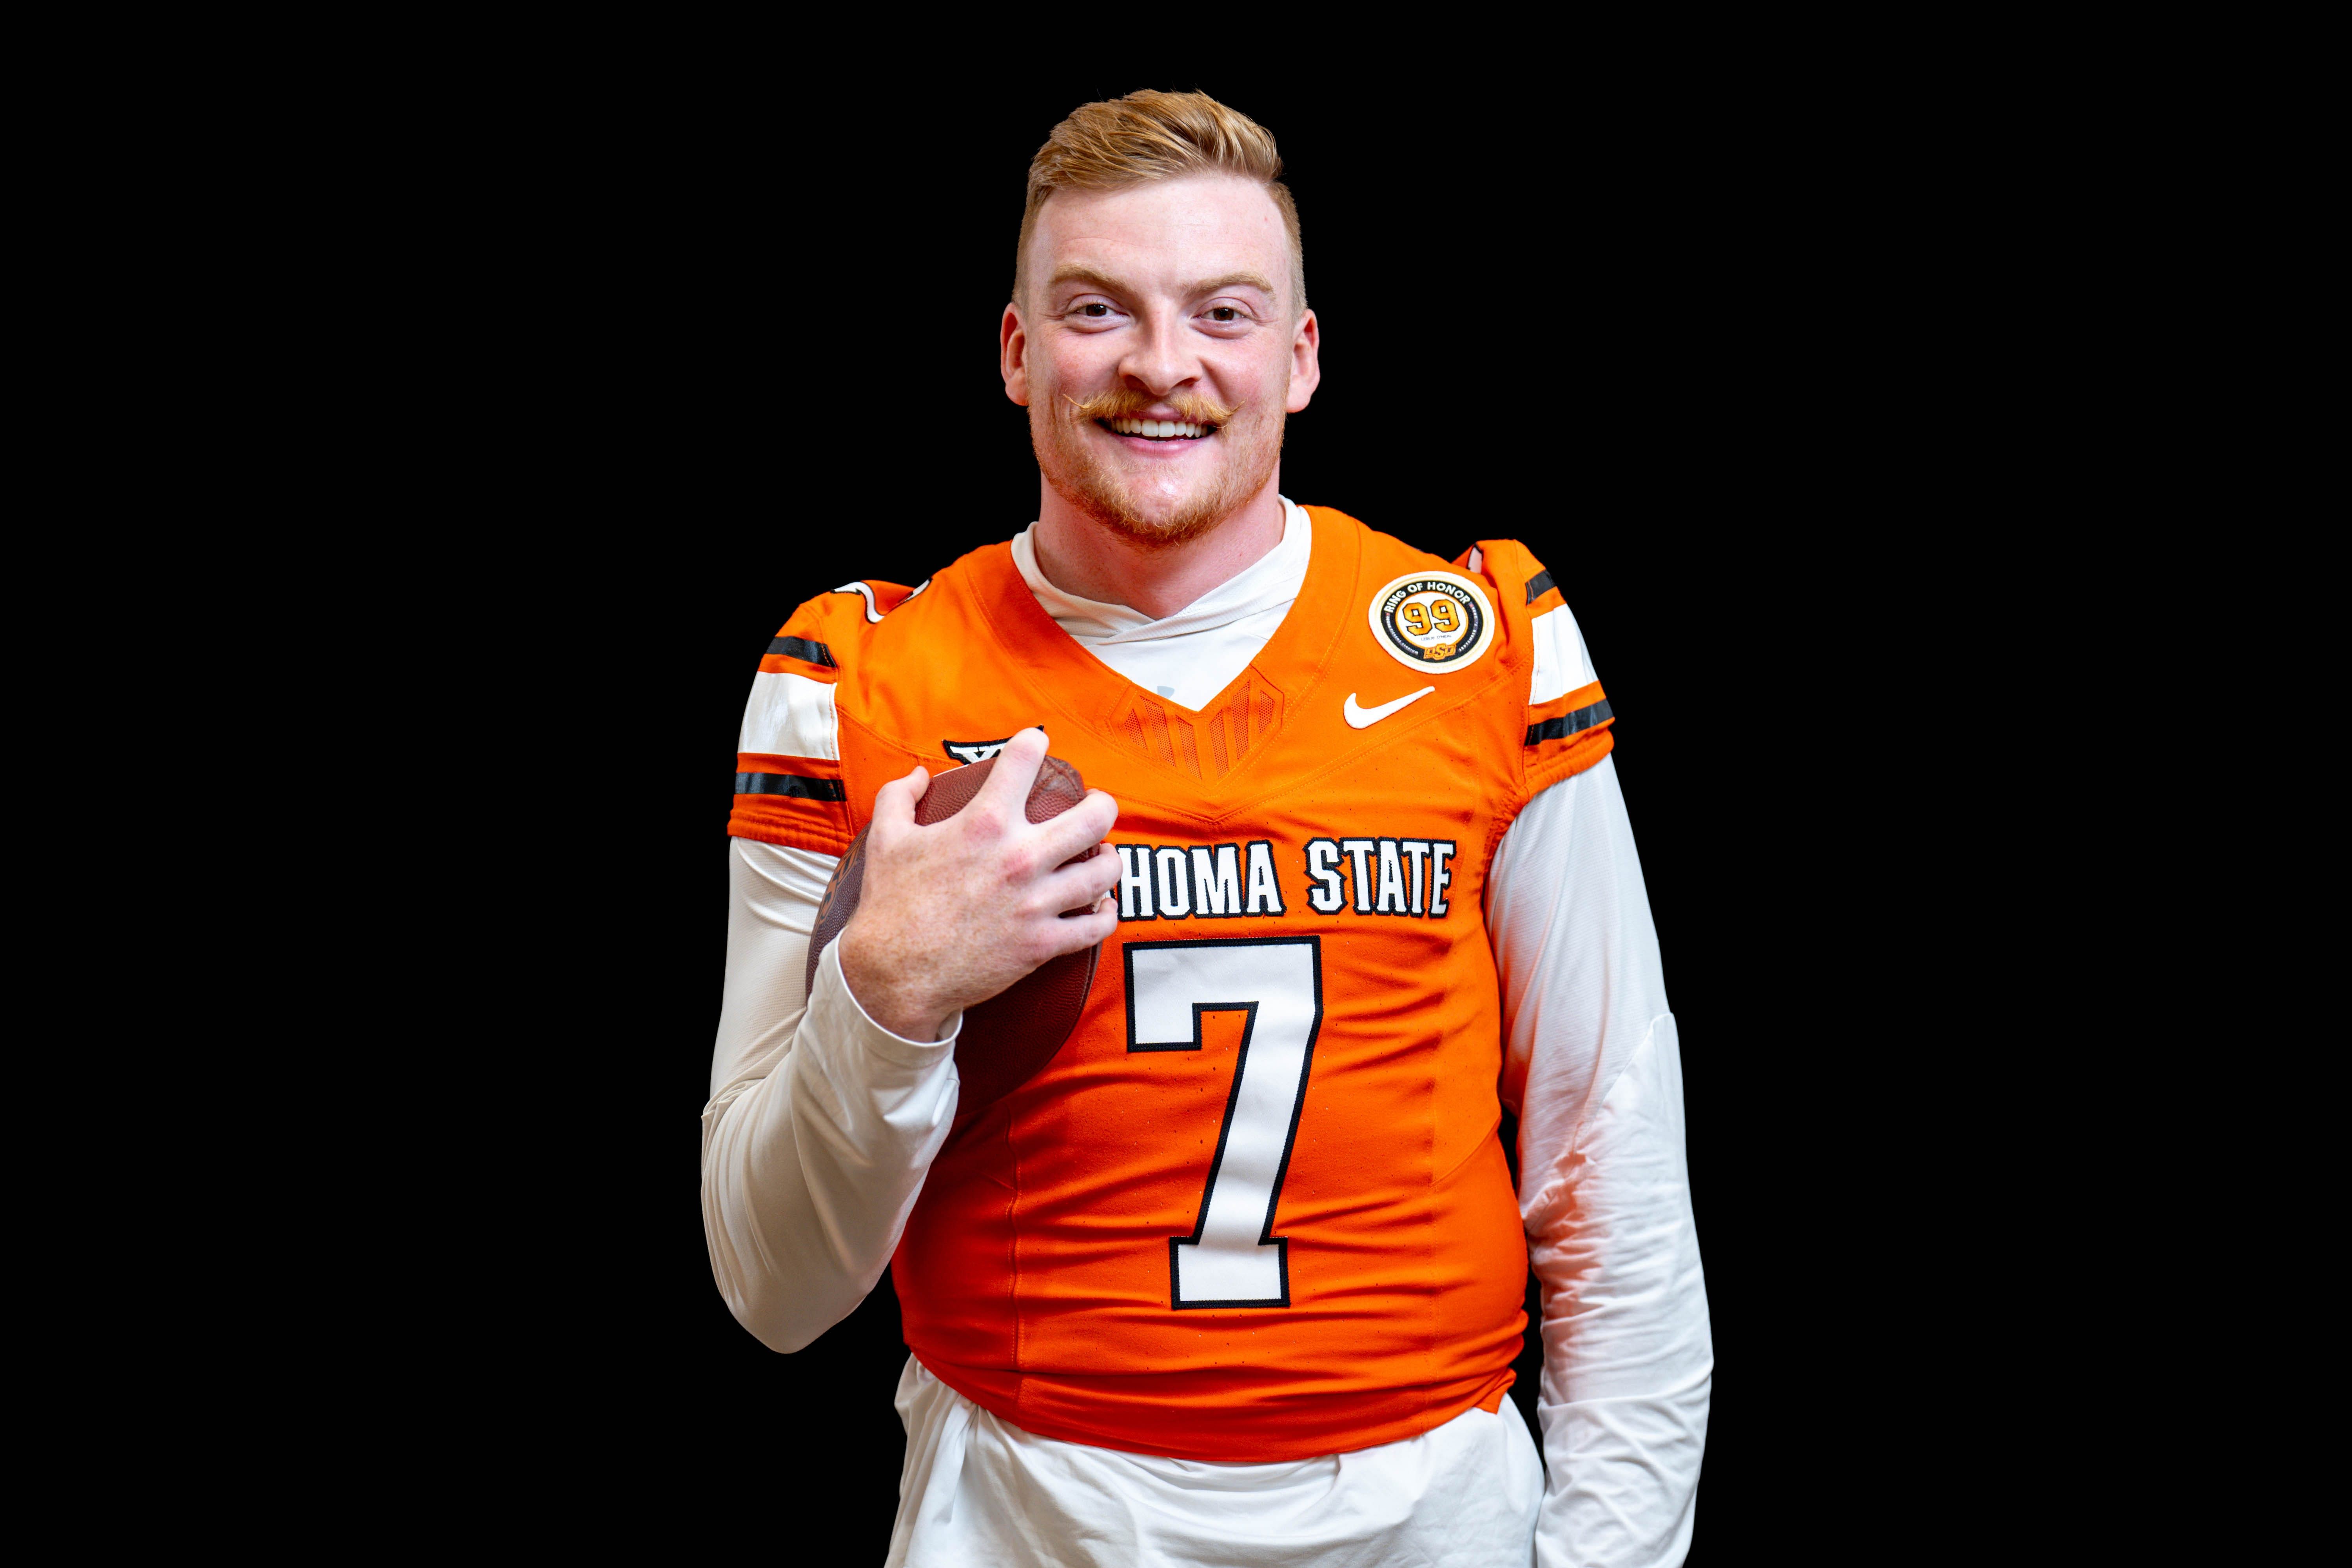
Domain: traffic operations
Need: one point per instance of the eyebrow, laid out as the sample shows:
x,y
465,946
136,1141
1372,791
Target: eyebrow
x,y
1112,284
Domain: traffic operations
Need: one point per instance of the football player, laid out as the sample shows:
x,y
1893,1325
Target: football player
x,y
1237,1277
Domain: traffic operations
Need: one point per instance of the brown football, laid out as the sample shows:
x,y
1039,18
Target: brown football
x,y
1008,1037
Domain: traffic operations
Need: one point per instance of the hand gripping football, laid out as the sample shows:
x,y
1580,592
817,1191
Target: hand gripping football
x,y
1008,1037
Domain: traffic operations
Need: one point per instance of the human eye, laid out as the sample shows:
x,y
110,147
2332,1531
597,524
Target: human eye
x,y
1091,311
1226,317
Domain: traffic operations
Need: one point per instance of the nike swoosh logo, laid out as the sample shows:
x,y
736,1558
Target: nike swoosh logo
x,y
1361,716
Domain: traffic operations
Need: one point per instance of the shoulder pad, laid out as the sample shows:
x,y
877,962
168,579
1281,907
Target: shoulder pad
x,y
1568,715
788,781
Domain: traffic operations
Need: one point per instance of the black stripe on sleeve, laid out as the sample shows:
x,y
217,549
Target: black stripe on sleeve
x,y
1568,724
1538,585
807,652
791,784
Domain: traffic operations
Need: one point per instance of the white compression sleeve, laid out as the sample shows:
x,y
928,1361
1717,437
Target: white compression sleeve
x,y
1603,1187
822,1124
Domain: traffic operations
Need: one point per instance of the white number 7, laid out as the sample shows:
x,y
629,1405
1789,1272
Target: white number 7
x,y
1233,1258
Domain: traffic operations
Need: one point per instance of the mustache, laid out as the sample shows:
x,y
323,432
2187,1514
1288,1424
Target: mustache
x,y
1125,403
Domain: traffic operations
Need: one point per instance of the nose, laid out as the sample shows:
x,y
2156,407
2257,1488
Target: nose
x,y
1156,360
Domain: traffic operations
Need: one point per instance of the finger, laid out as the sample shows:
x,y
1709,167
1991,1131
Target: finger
x,y
1074,934
1077,887
1089,822
893,803
1006,792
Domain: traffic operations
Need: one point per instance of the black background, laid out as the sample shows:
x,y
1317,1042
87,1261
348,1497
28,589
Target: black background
x,y
708,346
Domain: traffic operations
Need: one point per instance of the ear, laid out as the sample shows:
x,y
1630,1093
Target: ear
x,y
1013,355
1306,366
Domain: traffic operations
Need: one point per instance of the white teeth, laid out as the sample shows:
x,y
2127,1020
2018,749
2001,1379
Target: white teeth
x,y
1158,430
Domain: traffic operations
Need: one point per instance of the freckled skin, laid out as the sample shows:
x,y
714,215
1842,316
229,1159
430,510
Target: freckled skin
x,y
952,914
1143,321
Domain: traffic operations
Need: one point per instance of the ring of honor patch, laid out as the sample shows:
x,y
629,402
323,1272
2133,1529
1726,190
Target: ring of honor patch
x,y
1433,621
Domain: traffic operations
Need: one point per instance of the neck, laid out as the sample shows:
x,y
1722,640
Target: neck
x,y
1080,556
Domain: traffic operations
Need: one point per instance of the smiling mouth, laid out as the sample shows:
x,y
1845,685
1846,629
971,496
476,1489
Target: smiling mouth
x,y
1158,429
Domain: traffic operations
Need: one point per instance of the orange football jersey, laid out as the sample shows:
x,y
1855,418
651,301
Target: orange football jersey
x,y
1255,1208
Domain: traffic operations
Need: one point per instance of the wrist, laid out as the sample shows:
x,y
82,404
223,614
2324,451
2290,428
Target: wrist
x,y
881,992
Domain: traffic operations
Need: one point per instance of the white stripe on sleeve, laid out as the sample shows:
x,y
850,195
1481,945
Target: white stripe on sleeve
x,y
1561,663
790,716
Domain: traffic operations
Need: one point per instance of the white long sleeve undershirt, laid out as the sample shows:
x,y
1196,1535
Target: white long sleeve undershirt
x,y
822,1125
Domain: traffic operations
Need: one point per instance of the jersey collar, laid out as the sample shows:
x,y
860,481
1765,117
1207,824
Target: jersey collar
x,y
1270,582
1069,678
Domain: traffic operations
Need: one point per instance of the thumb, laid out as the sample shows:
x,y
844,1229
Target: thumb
x,y
1015,774
893,803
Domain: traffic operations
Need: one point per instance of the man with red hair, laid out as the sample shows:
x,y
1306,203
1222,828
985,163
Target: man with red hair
x,y
1236,1277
